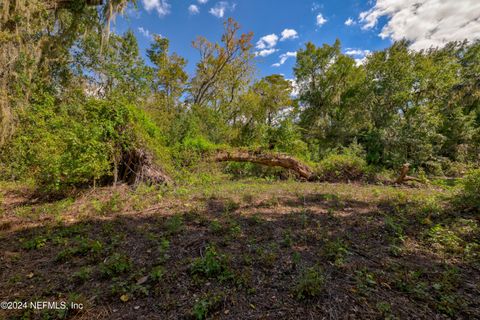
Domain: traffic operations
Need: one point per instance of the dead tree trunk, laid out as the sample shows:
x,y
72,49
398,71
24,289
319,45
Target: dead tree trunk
x,y
404,177
271,160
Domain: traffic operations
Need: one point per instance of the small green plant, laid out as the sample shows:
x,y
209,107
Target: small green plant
x,y
445,238
365,279
385,309
310,284
163,248
230,206
211,265
287,239
112,205
234,230
157,273
80,247
35,243
336,251
83,274
295,259
174,224
216,227
205,306
116,264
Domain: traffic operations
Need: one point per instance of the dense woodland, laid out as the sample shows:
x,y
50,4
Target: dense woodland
x,y
79,102
81,109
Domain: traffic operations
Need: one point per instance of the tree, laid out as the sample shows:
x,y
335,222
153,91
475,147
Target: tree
x,y
169,76
329,92
215,60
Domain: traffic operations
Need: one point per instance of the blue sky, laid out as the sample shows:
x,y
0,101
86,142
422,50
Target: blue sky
x,y
288,25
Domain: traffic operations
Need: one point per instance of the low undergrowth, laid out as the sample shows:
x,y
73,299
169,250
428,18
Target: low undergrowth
x,y
243,249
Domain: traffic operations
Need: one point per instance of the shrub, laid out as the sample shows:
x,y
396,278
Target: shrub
x,y
342,167
76,142
469,197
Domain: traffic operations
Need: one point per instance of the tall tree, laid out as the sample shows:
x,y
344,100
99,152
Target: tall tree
x,y
329,85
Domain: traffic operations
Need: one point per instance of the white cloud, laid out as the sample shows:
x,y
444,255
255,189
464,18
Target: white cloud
x,y
295,87
161,6
284,57
193,9
357,52
320,19
267,42
349,22
202,1
265,52
220,8
145,32
360,61
426,23
289,34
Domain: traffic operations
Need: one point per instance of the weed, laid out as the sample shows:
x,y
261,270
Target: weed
x,y
336,251
310,284
80,247
112,205
35,243
385,309
211,265
216,227
157,273
174,224
205,306
116,264
365,279
287,239
230,206
83,274
444,238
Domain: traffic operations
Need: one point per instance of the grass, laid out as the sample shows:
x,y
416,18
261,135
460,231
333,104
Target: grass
x,y
246,247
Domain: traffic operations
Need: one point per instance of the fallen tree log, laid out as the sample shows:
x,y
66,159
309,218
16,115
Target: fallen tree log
x,y
271,160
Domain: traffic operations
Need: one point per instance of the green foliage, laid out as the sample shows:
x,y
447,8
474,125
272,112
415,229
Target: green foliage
x,y
211,265
80,247
74,143
310,284
336,251
115,265
174,224
469,196
157,273
345,166
205,306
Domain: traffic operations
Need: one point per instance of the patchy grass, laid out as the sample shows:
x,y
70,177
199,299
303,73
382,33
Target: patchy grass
x,y
242,249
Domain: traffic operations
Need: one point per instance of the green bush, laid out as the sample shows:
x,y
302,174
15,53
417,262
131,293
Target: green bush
x,y
75,142
343,167
469,196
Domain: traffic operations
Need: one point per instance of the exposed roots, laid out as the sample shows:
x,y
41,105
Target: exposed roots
x,y
138,166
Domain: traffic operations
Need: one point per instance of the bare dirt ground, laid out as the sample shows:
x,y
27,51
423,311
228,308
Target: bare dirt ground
x,y
241,250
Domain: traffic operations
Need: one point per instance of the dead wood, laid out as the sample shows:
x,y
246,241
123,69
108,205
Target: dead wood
x,y
138,166
271,160
404,177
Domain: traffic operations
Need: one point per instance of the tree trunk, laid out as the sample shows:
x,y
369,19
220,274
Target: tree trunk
x,y
271,160
403,177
